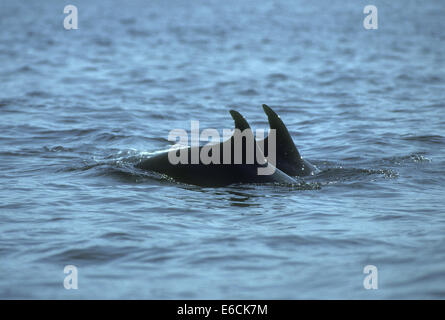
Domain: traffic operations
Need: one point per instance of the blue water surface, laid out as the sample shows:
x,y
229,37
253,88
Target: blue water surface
x,y
79,108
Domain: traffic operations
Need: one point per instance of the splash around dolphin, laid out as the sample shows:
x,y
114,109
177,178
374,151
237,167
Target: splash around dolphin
x,y
233,165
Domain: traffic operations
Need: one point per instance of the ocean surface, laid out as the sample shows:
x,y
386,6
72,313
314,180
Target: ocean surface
x,y
78,108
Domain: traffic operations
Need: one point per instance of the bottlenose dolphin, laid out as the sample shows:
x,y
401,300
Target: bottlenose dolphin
x,y
223,173
288,159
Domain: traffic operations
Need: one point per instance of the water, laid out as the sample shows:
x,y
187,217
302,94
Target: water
x,y
78,108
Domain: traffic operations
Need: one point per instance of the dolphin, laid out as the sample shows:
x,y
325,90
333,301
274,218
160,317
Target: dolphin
x,y
288,159
222,174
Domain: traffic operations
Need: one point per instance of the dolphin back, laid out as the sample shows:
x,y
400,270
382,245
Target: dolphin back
x,y
221,174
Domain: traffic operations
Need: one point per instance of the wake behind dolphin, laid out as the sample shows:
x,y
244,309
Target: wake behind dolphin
x,y
233,165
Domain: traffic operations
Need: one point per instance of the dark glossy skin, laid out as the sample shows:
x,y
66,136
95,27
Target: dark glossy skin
x,y
288,159
215,175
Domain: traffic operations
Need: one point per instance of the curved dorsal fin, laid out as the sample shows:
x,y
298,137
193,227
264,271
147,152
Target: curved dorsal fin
x,y
243,134
240,122
288,158
285,145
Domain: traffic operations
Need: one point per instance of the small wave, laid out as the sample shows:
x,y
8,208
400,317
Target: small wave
x,y
111,137
11,102
432,79
180,80
298,186
57,149
119,166
348,174
144,81
339,80
91,254
26,69
248,92
414,158
277,77
280,241
127,21
103,42
427,138
119,236
139,33
67,132
38,94
303,185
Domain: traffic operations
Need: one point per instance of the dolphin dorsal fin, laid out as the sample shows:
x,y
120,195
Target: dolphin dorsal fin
x,y
240,122
285,145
